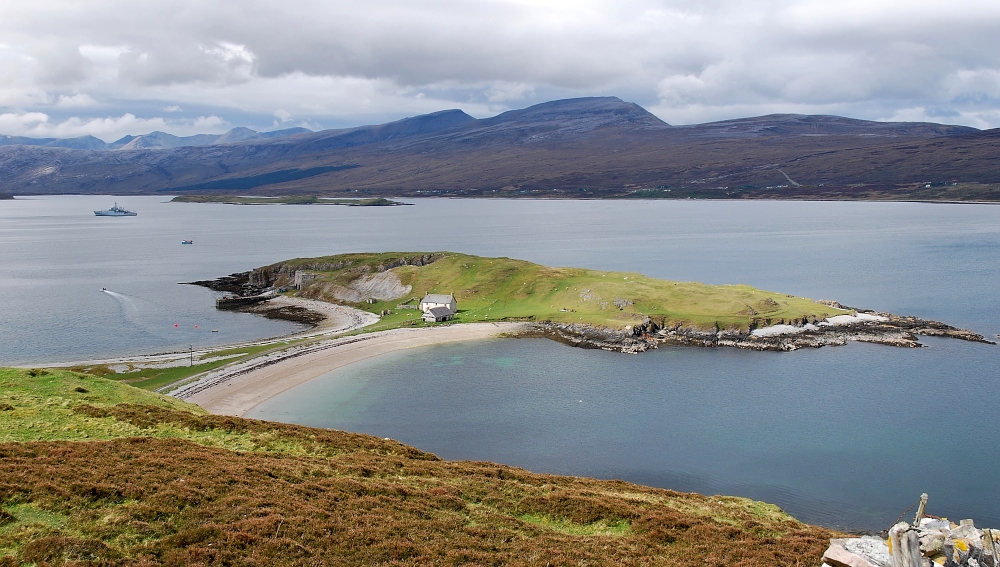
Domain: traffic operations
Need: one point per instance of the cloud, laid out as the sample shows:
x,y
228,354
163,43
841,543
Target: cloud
x,y
208,123
79,100
108,128
283,115
165,64
58,62
350,62
507,92
172,108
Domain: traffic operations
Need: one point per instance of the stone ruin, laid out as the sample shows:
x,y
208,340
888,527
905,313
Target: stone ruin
x,y
928,542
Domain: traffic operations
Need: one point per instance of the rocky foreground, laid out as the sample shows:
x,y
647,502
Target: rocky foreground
x,y
929,541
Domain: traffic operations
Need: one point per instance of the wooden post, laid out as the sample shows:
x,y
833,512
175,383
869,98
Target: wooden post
x,y
920,510
990,545
904,546
896,544
911,550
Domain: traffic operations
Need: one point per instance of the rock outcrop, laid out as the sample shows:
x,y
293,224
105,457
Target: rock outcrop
x,y
864,326
931,542
631,341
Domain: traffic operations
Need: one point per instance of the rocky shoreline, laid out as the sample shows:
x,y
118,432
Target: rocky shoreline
x,y
868,327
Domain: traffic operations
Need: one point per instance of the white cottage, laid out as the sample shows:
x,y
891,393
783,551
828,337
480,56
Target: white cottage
x,y
438,307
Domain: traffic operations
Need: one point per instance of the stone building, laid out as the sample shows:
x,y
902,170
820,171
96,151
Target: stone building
x,y
438,307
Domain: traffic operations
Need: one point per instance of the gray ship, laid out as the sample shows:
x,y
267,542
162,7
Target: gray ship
x,y
115,211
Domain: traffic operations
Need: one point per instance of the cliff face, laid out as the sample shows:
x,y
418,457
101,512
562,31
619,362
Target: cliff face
x,y
365,279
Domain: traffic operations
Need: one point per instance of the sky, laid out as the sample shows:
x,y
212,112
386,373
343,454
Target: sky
x,y
110,68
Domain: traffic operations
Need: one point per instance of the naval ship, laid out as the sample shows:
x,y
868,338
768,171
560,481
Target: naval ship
x,y
115,211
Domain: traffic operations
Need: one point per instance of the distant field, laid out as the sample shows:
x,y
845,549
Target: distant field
x,y
286,200
929,192
491,289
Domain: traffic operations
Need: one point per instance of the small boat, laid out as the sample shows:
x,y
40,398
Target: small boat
x,y
215,330
187,241
115,211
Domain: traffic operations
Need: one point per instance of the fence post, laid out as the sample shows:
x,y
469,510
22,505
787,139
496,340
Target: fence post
x,y
920,510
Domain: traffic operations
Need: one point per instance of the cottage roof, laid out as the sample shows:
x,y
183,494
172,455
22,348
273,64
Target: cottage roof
x,y
441,311
438,298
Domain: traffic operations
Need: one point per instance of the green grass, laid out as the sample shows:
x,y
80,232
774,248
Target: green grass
x,y
153,378
499,289
57,405
568,527
41,407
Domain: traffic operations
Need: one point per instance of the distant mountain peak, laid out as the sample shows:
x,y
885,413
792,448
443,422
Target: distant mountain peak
x,y
589,113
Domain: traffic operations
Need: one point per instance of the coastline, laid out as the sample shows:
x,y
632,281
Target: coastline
x,y
329,319
238,388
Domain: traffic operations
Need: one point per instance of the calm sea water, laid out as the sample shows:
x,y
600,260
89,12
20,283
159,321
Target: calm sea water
x,y
841,436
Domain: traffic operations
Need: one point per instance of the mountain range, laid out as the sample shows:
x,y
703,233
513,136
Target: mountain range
x,y
153,140
586,147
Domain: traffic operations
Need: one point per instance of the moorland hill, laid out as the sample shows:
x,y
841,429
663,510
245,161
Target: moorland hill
x,y
93,472
588,147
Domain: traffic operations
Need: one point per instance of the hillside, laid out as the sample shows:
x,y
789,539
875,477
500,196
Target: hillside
x,y
591,147
508,289
98,473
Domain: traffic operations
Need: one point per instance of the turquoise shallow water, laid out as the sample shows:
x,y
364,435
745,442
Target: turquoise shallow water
x,y
839,436
843,436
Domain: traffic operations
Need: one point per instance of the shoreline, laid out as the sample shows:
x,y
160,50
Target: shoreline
x,y
332,319
238,388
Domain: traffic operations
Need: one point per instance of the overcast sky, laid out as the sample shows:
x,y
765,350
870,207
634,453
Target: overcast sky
x,y
110,68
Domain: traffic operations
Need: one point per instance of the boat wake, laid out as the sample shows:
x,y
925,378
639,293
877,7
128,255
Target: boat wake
x,y
132,311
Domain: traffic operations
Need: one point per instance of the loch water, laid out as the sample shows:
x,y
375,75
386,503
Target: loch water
x,y
846,436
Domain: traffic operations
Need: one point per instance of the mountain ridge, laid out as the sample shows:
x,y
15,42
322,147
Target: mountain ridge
x,y
152,140
588,147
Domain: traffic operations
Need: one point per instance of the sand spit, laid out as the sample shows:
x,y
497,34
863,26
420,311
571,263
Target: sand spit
x,y
236,389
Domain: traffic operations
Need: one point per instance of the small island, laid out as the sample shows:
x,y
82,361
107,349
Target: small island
x,y
621,311
286,200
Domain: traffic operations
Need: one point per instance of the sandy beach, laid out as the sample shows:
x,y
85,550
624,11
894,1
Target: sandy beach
x,y
236,389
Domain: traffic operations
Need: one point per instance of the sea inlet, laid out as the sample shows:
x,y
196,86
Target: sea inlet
x,y
843,436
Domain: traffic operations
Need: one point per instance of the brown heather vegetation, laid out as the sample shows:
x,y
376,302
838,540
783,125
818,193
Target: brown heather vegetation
x,y
304,496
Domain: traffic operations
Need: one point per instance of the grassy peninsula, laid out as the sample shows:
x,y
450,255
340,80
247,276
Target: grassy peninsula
x,y
99,473
504,289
